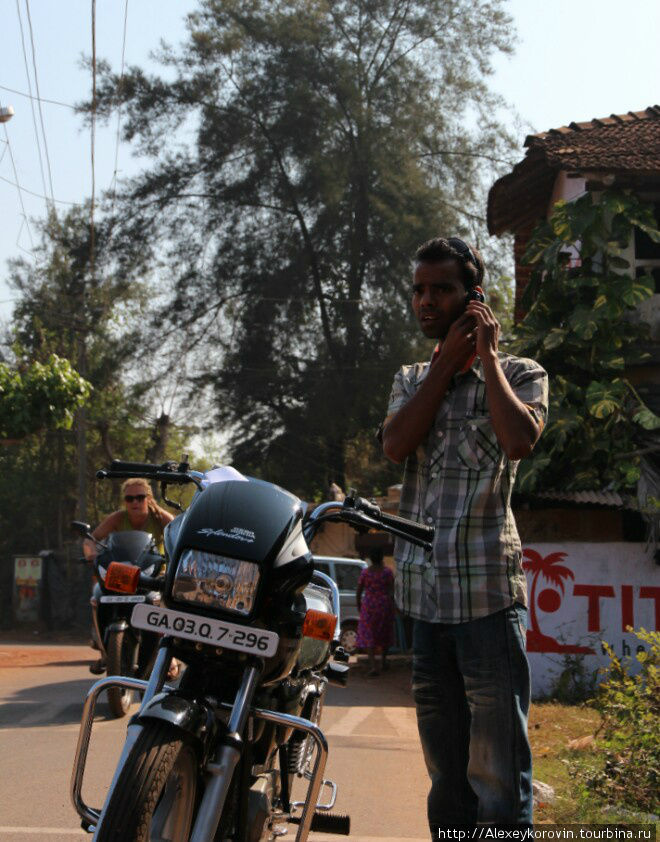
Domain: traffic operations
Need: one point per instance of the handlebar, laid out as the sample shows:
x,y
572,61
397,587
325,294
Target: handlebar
x,y
361,514
424,533
152,583
354,510
169,472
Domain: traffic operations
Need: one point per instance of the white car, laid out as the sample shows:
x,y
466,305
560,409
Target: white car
x,y
345,572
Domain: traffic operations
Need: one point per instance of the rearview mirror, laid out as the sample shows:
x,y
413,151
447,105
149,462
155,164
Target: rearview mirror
x,y
80,527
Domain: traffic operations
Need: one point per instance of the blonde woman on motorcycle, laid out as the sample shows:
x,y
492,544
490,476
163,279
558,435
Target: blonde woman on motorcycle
x,y
141,513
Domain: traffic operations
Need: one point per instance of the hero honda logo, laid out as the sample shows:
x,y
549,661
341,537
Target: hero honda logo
x,y
236,533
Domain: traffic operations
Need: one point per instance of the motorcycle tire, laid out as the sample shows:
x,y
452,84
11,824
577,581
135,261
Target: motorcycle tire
x,y
119,662
155,794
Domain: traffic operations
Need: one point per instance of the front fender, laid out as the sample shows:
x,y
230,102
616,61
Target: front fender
x,y
188,715
117,626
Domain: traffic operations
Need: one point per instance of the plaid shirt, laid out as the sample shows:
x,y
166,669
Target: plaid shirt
x,y
460,480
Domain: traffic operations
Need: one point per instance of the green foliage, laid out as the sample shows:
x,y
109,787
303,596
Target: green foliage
x,y
330,140
39,395
582,327
574,683
69,318
625,770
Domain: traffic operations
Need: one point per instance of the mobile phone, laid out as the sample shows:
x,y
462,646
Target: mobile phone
x,y
474,295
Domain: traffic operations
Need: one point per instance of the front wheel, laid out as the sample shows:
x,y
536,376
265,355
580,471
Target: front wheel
x,y
154,798
121,649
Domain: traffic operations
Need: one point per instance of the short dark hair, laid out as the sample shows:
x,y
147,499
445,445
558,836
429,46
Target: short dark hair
x,y
453,248
376,555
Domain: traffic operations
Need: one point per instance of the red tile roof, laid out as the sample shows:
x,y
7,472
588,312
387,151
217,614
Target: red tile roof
x,y
619,144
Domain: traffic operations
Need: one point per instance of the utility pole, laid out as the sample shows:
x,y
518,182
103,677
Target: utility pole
x,y
82,336
81,419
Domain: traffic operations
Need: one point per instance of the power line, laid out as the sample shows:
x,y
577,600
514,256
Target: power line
x,y
18,238
121,79
34,117
18,187
36,98
41,115
38,195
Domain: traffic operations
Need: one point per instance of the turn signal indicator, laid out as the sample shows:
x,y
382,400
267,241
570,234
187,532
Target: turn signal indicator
x,y
319,624
122,577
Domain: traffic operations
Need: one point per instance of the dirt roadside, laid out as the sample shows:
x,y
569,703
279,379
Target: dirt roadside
x,y
22,648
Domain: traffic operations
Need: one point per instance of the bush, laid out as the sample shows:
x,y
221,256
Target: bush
x,y
625,769
575,684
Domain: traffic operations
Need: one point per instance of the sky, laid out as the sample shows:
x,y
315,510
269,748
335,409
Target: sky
x,y
575,60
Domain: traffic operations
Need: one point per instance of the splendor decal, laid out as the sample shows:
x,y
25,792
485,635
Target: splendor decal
x,y
236,534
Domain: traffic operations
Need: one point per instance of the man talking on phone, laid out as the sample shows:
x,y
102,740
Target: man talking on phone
x,y
461,422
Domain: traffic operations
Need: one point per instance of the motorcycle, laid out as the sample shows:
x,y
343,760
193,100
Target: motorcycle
x,y
126,650
217,757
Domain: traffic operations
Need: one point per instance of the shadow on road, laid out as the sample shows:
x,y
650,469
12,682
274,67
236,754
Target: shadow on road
x,y
389,689
58,703
61,703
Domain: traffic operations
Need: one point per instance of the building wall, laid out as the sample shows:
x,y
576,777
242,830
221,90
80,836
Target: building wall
x,y
575,524
523,272
335,539
581,595
565,187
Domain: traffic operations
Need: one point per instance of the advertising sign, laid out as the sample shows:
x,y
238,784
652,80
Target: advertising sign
x,y
582,594
27,580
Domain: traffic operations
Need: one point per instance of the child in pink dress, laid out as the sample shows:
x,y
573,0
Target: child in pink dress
x,y
376,605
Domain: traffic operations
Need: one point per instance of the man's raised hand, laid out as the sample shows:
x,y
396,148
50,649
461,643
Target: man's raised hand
x,y
460,342
487,329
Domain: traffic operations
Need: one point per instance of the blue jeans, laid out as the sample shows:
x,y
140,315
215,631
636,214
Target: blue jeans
x,y
471,688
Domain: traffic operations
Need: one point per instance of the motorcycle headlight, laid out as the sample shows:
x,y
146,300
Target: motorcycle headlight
x,y
216,581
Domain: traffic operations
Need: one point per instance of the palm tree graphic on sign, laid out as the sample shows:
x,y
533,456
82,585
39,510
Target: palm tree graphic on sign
x,y
549,600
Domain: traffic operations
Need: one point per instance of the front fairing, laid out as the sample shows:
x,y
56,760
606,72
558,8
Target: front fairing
x,y
128,546
131,547
251,521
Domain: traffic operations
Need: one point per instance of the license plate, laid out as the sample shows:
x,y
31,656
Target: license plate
x,y
132,598
205,630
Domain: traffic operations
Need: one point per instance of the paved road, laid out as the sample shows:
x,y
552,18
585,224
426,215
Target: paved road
x,y
374,751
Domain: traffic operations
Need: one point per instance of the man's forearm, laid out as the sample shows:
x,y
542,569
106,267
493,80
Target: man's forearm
x,y
407,429
515,428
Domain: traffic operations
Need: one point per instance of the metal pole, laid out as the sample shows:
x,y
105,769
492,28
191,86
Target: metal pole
x,y
81,427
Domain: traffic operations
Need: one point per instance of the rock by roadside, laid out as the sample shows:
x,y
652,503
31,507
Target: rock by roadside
x,y
543,793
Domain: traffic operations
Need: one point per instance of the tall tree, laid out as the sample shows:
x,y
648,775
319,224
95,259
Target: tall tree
x,y
302,150
66,310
